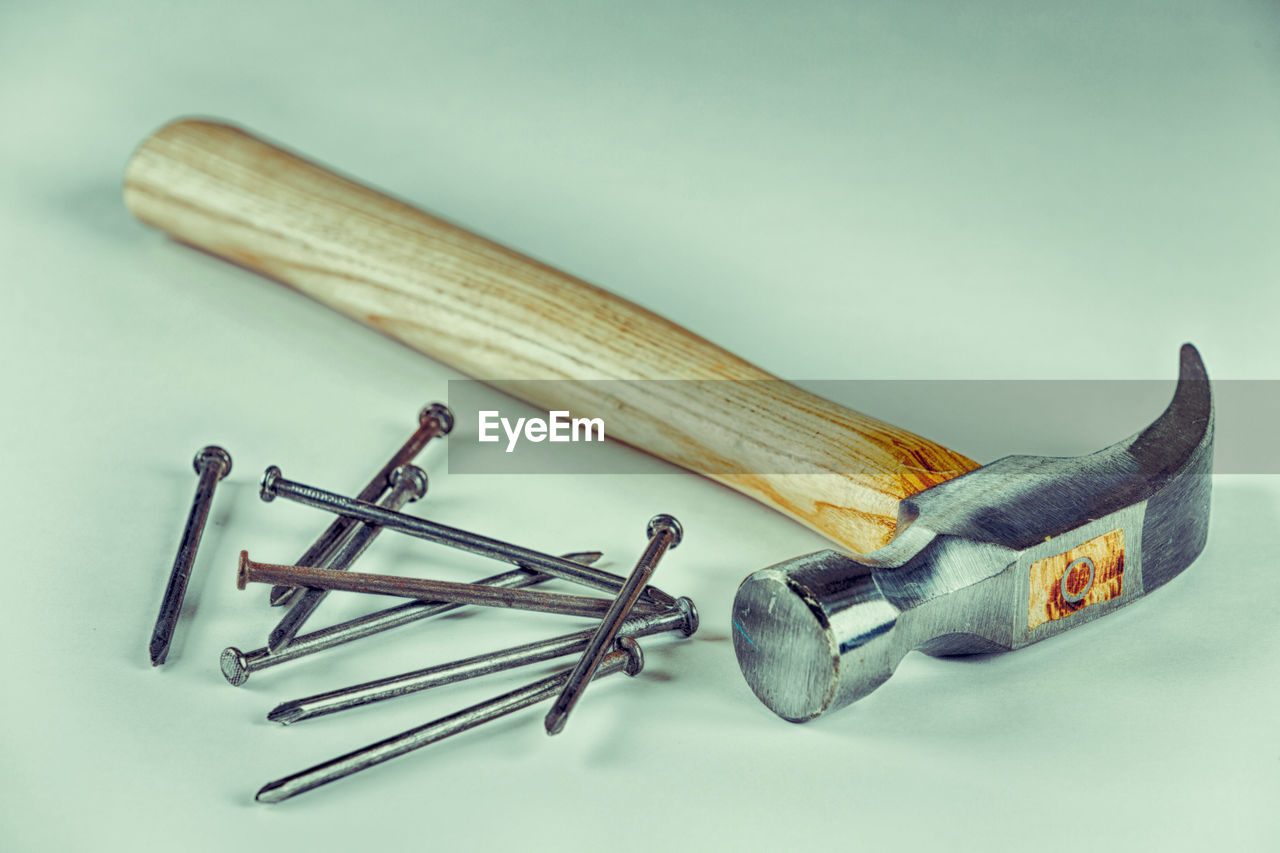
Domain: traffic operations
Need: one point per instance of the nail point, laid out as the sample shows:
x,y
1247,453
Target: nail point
x,y
554,721
272,792
282,596
279,638
285,713
586,558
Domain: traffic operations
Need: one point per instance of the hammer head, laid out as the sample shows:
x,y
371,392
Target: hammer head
x,y
999,558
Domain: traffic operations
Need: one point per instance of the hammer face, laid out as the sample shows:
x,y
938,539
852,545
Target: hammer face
x,y
786,643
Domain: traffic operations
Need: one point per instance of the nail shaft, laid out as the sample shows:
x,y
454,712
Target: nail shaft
x,y
274,484
408,484
427,590
237,666
628,659
435,420
683,618
212,464
664,532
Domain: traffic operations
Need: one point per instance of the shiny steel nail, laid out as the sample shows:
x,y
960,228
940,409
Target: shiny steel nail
x,y
212,464
408,483
684,618
627,659
664,532
435,420
274,484
237,666
427,590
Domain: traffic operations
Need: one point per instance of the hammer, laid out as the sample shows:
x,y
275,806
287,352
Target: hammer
x,y
956,557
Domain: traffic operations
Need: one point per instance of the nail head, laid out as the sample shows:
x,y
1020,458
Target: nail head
x,y
635,656
242,571
685,605
441,414
417,476
235,666
666,522
269,477
213,454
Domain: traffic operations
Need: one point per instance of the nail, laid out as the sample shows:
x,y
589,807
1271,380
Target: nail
x,y
435,420
664,532
628,658
427,590
237,666
212,464
274,484
408,483
683,618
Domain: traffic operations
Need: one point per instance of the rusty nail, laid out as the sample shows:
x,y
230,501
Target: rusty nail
x,y
237,666
430,590
434,420
408,483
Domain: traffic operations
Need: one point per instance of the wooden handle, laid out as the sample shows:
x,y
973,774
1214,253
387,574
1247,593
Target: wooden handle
x,y
500,316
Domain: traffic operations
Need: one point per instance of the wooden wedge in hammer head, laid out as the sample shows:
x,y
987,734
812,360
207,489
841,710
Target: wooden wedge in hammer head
x,y
957,557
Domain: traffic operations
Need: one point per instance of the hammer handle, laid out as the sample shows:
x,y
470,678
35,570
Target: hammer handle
x,y
499,316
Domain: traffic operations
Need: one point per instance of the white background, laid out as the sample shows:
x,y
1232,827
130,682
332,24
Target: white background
x,y
835,191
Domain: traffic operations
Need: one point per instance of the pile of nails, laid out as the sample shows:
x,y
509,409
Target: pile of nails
x,y
637,610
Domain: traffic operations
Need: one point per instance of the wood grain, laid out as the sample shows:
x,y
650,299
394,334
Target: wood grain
x,y
499,316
